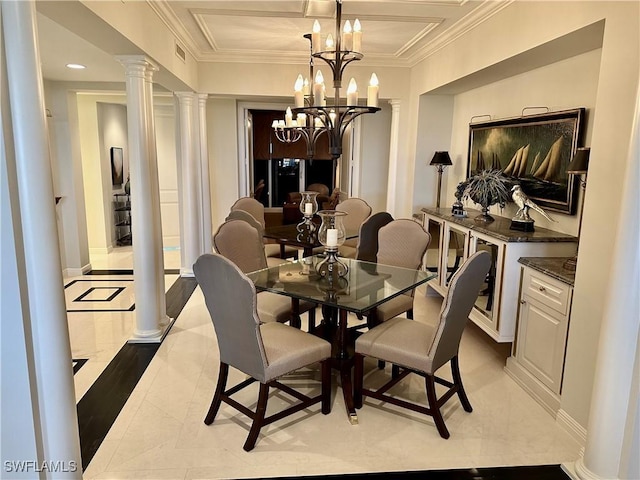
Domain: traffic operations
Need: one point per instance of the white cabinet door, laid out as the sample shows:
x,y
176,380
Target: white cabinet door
x,y
541,342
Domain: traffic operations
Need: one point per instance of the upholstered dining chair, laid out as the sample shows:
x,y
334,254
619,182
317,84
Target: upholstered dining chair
x,y
401,243
264,351
416,347
357,211
241,243
256,210
271,250
252,206
367,247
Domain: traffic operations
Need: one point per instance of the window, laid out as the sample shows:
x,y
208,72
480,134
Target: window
x,y
284,167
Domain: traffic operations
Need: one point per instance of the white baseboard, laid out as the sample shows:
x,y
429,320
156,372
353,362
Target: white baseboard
x,y
572,427
76,272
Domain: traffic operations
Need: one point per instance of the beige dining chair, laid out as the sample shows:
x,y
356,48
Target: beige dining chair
x,y
271,250
241,243
264,351
416,347
256,210
357,211
401,243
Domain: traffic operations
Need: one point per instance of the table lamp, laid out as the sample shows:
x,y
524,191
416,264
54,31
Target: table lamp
x,y
440,160
578,166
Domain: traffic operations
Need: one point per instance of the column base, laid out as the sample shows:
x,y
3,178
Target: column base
x,y
187,272
578,471
153,336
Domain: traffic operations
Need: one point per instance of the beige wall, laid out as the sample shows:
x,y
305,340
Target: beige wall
x,y
223,157
497,41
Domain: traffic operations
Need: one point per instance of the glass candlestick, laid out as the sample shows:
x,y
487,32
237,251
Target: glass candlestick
x,y
331,234
308,206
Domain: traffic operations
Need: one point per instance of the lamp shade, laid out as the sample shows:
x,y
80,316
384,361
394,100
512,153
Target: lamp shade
x,y
580,162
441,158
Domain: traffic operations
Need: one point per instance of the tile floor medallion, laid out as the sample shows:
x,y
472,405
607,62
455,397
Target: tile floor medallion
x,y
100,295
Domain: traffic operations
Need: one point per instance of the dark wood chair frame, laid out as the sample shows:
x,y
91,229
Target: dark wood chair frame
x,y
258,416
434,403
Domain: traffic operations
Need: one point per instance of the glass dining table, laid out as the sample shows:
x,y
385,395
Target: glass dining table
x,y
365,286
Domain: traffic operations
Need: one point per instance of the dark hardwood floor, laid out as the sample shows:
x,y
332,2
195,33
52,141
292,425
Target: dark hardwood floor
x,y
540,472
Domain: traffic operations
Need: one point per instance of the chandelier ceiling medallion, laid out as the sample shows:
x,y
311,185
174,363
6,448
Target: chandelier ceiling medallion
x,y
311,116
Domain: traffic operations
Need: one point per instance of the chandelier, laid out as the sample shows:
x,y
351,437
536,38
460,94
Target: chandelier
x,y
313,116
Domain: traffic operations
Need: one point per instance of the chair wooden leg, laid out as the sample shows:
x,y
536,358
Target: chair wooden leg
x,y
395,371
457,380
326,386
295,313
258,419
381,364
433,406
410,314
217,396
312,320
358,373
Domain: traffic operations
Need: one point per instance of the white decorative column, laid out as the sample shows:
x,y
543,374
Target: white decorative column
x,y
612,435
155,198
392,182
37,317
205,189
190,197
151,322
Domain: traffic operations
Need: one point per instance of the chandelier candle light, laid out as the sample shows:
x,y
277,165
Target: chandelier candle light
x,y
339,49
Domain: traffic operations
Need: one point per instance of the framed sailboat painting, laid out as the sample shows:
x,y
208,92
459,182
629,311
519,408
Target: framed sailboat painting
x,y
534,151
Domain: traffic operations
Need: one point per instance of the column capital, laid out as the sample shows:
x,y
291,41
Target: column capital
x,y
395,103
202,97
185,98
137,65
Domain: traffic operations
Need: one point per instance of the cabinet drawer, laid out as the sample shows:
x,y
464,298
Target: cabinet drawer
x,y
546,290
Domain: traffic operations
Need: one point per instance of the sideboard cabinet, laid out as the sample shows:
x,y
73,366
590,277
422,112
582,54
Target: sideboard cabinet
x,y
455,238
537,361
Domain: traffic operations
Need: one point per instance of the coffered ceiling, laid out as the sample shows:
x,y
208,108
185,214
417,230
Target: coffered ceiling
x,y
394,32
398,32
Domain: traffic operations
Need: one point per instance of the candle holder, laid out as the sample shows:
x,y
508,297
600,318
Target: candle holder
x,y
331,234
308,206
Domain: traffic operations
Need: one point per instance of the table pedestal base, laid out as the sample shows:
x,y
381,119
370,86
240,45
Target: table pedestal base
x,y
334,330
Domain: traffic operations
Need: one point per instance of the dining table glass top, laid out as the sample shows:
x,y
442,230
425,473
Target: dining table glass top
x,y
365,286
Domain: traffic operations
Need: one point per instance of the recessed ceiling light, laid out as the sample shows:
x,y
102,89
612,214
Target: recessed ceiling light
x,y
75,66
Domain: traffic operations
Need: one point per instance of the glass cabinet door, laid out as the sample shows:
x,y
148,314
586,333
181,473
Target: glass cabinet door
x,y
487,302
432,258
455,251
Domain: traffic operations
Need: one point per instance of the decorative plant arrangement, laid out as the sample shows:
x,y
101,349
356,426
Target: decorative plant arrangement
x,y
486,188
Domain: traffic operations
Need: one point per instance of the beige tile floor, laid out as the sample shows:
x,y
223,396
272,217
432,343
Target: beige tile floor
x,y
160,432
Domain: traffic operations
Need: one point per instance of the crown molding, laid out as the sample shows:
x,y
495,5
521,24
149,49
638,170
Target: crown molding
x,y
181,34
479,15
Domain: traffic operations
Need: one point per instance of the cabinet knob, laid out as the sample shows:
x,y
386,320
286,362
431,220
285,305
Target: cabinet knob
x,y
523,302
542,289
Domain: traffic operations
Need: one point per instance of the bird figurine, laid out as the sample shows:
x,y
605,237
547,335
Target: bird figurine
x,y
524,203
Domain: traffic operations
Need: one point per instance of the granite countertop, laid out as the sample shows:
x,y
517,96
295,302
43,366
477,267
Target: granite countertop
x,y
552,266
500,227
